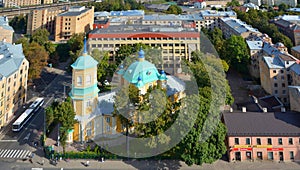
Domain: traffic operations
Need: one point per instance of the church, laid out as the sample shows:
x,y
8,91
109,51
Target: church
x,y
94,110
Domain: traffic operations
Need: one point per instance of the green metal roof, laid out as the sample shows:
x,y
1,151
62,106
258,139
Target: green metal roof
x,y
84,92
84,62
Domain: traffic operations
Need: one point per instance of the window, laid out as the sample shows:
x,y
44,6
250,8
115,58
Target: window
x,y
258,141
282,77
274,71
279,141
283,84
236,141
276,91
88,103
247,141
79,81
290,141
270,156
269,141
89,132
275,77
108,119
281,71
291,155
88,79
283,91
275,85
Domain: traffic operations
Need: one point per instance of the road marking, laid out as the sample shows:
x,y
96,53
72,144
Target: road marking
x,y
11,153
27,136
8,140
3,153
6,153
19,153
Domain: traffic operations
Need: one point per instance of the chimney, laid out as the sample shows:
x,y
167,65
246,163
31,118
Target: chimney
x,y
265,110
283,109
230,110
244,110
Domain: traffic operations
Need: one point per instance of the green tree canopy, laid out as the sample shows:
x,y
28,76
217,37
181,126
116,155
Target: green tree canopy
x,y
233,3
41,36
174,9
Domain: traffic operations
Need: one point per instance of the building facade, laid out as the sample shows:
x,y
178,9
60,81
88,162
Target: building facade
x,y
295,51
255,136
77,19
13,80
275,75
19,3
289,27
42,18
175,43
6,30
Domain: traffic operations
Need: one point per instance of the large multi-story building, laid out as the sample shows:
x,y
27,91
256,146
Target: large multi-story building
x,y
232,26
205,19
275,74
13,80
292,3
6,30
295,51
19,3
256,136
78,19
42,18
289,25
175,43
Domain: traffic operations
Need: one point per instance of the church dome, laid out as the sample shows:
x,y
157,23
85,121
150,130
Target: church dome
x,y
141,72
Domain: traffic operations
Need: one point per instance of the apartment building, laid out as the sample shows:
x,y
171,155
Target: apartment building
x,y
6,30
275,74
289,26
42,18
255,136
294,89
295,51
255,49
19,3
78,19
175,43
13,80
232,26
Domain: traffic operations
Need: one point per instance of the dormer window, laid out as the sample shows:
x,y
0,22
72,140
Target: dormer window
x,y
79,81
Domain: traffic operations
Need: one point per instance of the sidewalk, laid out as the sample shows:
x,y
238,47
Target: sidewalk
x,y
163,165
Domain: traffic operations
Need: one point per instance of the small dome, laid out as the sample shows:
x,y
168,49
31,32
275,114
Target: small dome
x,y
141,53
139,78
121,66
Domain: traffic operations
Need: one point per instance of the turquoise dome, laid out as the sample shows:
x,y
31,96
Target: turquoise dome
x,y
84,62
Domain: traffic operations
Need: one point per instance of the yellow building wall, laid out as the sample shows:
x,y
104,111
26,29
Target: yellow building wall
x,y
76,132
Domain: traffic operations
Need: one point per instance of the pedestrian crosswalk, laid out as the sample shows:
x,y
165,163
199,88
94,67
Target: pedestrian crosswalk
x,y
14,154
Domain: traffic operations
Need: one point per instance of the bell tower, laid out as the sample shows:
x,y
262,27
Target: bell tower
x,y
84,95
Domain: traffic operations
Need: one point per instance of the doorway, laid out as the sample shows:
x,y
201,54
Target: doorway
x,y
238,156
259,155
248,155
281,156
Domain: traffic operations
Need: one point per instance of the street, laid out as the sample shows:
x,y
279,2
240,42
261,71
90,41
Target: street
x,y
19,145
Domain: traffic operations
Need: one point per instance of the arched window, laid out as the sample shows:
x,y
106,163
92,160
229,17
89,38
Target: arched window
x,y
79,81
88,79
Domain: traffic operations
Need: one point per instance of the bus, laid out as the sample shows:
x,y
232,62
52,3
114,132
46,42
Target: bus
x,y
27,114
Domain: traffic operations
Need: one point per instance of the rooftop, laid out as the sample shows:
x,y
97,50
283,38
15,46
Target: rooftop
x,y
75,11
254,45
4,23
262,124
291,18
208,13
239,25
11,57
296,68
296,48
141,28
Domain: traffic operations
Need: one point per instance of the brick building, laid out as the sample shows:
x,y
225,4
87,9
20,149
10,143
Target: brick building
x,y
78,19
256,136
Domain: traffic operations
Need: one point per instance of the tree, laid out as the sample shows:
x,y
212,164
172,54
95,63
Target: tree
x,y
103,65
174,9
19,23
75,44
41,36
283,7
37,57
236,53
233,3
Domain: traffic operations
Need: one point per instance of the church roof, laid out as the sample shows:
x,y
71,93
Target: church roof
x,y
85,61
141,72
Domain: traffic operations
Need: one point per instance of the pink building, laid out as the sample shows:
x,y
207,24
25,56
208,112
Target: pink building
x,y
256,136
